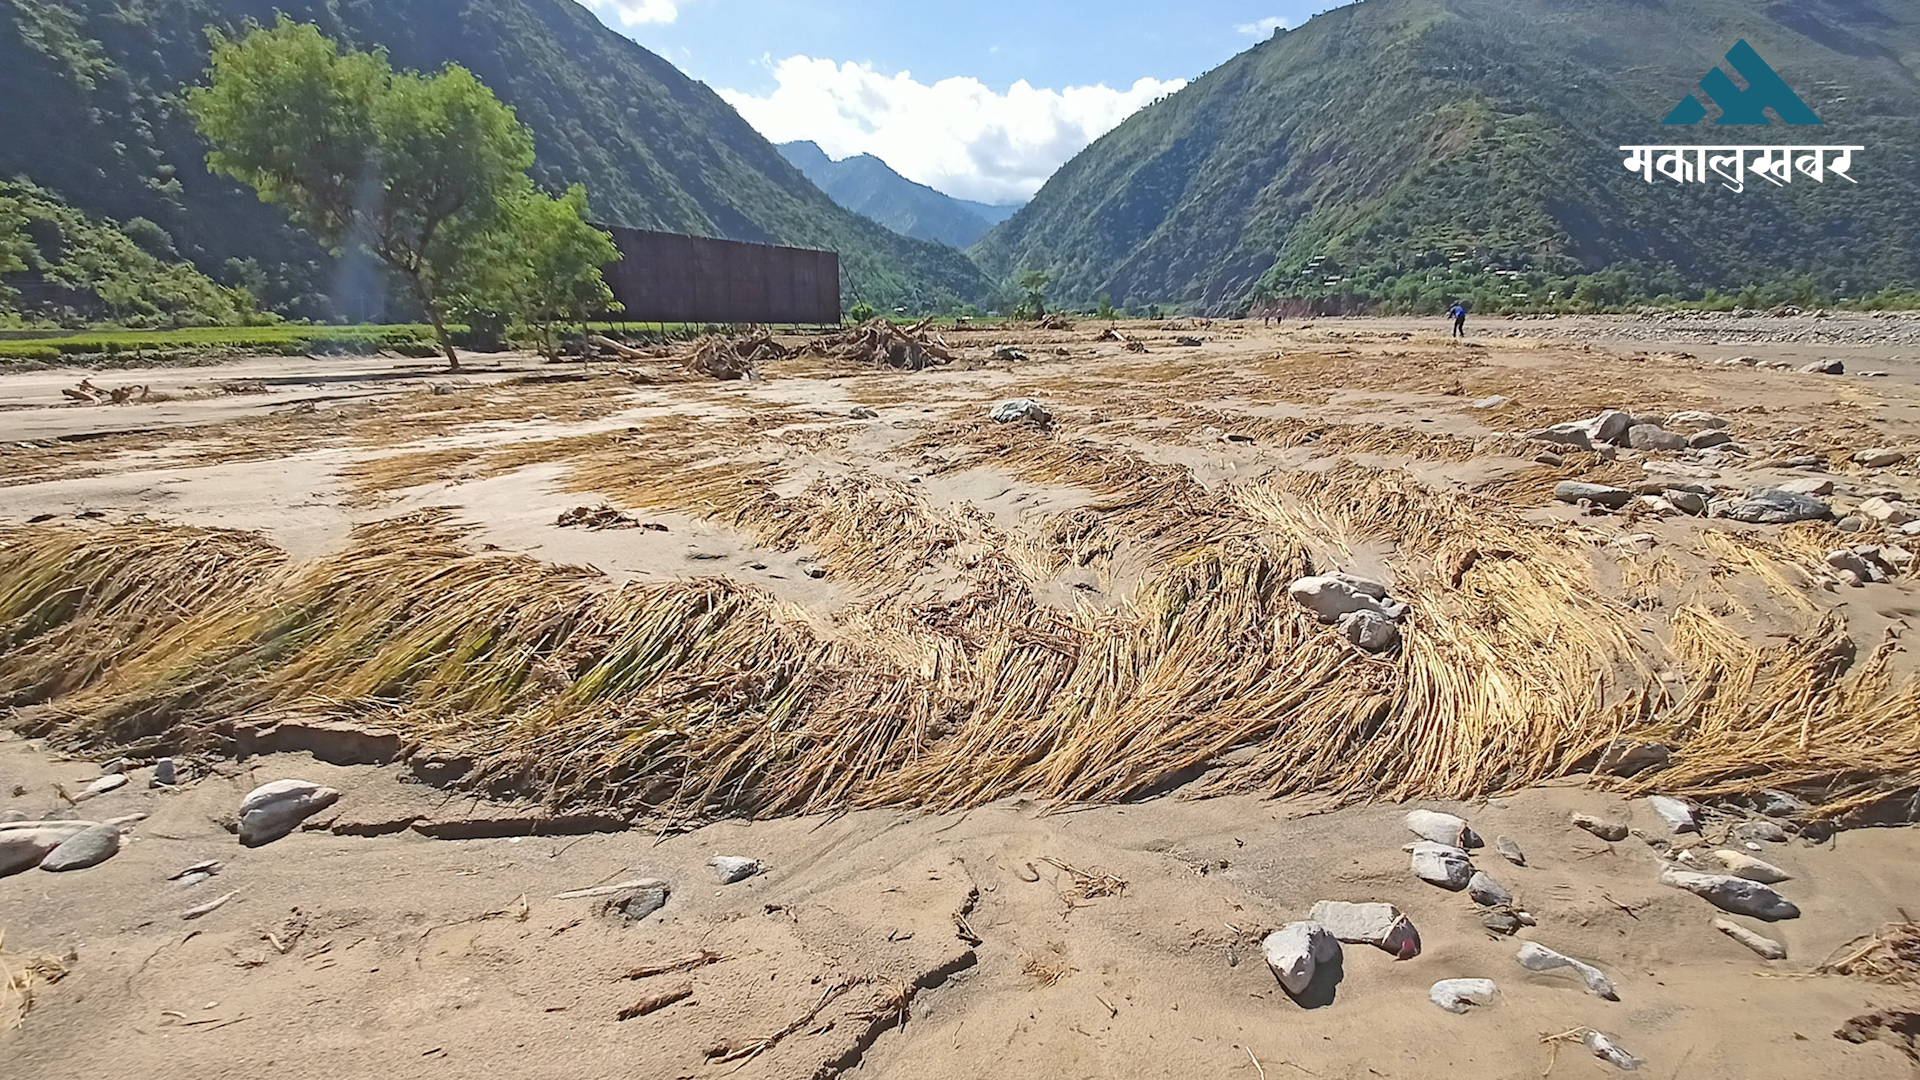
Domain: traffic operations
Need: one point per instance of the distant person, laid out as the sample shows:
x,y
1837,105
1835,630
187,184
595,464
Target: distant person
x,y
1459,317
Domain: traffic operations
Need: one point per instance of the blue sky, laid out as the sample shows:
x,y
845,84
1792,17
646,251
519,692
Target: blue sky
x,y
982,99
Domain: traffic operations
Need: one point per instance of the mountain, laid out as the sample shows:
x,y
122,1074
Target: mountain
x,y
92,87
866,185
1398,153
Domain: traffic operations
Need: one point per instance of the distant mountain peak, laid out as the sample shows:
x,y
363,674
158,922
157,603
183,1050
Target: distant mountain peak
x,y
867,185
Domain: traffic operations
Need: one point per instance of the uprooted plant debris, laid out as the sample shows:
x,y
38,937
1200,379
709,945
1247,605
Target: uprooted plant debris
x,y
604,516
879,343
1890,955
729,358
1133,344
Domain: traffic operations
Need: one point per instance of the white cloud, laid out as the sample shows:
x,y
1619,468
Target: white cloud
x,y
1261,28
635,12
957,135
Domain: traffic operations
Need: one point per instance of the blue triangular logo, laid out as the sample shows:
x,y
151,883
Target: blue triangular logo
x,y
1765,89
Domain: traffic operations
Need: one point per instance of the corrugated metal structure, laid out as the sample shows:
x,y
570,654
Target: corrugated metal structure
x,y
665,277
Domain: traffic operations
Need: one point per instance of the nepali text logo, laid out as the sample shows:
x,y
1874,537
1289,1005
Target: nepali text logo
x,y
1776,164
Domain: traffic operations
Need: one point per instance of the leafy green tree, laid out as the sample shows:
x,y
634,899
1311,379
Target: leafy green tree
x,y
416,169
861,312
540,266
1034,283
1106,308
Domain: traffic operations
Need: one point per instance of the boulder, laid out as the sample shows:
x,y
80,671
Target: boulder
x,y
273,810
23,847
1649,437
728,869
1735,894
1487,892
1772,506
1575,491
1441,864
1742,865
1454,995
1610,831
1537,957
89,847
1442,829
1296,951
1379,925
1574,435
1022,411
1765,946
1880,458
1611,426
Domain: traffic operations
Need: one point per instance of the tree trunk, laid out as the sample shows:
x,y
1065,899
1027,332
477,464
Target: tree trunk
x,y
427,300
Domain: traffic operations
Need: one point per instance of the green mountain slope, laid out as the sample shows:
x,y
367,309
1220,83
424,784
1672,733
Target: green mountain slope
x,y
1399,152
869,187
91,90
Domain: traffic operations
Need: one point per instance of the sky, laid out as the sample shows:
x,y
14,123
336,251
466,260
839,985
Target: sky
x,y
981,99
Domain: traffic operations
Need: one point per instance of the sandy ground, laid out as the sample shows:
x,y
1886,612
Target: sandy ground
x,y
413,933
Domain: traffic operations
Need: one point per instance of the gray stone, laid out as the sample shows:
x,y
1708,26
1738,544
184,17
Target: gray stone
x,y
1706,440
1487,892
1697,420
1748,832
1852,523
22,847
1330,597
1881,458
1889,512
1687,502
1295,952
1628,757
1379,925
1849,562
1369,631
1742,865
1610,831
1729,893
1611,426
1454,995
861,412
1441,864
1649,437
1537,957
1765,946
1502,922
273,810
1494,402
1022,411
164,773
632,905
1574,435
728,869
1509,849
1575,491
1825,367
1678,815
1549,459
109,782
1442,829
1771,506
1808,485
1008,353
90,847
1609,1051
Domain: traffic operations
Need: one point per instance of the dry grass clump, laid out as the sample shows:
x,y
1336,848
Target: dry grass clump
x,y
879,343
19,975
1890,955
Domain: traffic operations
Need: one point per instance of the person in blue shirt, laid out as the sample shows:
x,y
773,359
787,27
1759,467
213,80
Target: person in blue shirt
x,y
1459,317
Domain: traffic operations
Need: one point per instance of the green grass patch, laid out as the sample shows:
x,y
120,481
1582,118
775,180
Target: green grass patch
x,y
94,346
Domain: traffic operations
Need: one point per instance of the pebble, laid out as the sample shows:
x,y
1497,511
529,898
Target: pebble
x,y
1379,925
1769,831
1502,922
1442,829
164,774
728,869
1607,1050
1610,831
1678,815
1765,946
1550,459
1509,849
1442,865
1022,411
1487,892
1296,951
1735,894
84,849
1575,491
1740,864
1537,957
636,904
272,810
1772,506
1852,523
1575,435
1454,995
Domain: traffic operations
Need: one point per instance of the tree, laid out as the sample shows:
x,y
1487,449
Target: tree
x,y
539,266
1034,283
14,245
1106,308
416,169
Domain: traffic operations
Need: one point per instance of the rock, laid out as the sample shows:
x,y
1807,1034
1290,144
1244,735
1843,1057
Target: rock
x,y
1775,803
164,774
1296,951
1379,925
1649,437
1502,922
1735,894
117,765
1509,849
1366,630
1687,502
1825,367
1808,485
1644,542
1022,411
1706,440
273,810
23,847
1487,892
1574,435
1888,512
1755,831
1678,815
1330,598
90,847
1610,831
1742,865
1442,829
1537,957
1771,506
1008,353
1628,757
1692,419
109,782
1494,402
1881,458
1852,523
1550,459
632,905
1765,946
1611,426
1364,586
1441,864
1848,562
1897,558
1607,1050
1454,995
728,869
1850,579
861,412
1574,491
